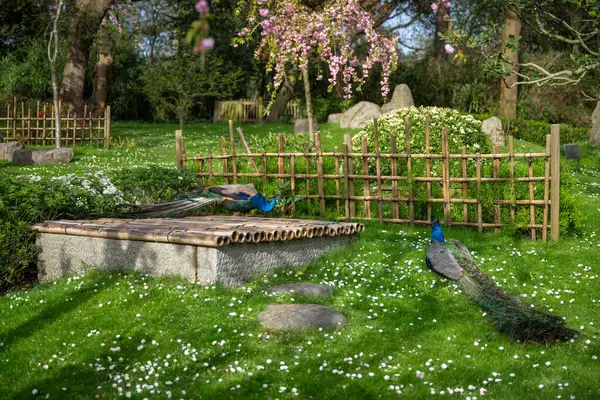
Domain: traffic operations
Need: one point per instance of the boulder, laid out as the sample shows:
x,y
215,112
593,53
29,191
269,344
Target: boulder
x,y
304,289
595,135
7,149
357,117
301,126
334,118
51,156
300,316
402,98
493,128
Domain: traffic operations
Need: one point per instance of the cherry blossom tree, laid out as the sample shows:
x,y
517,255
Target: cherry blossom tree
x,y
291,34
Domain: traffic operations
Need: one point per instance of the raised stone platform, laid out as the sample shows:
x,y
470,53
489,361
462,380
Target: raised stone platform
x,y
229,250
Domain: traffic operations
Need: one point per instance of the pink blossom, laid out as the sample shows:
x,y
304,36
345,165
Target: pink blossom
x,y
202,6
207,44
449,49
434,7
262,1
446,3
263,12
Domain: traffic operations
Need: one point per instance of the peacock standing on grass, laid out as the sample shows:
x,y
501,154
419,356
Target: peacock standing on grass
x,y
234,198
519,321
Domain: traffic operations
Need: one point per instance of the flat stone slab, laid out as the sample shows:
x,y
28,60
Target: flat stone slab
x,y
300,316
304,289
51,156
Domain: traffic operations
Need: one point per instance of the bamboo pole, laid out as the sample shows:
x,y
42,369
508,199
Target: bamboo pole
x,y
241,133
281,160
320,173
366,186
428,165
337,181
446,177
555,156
511,151
307,172
225,165
23,120
348,142
531,197
15,117
464,187
378,167
178,149
411,204
233,156
496,173
394,148
37,122
293,183
346,180
91,126
210,167
44,127
28,124
546,187
74,129
264,172
107,129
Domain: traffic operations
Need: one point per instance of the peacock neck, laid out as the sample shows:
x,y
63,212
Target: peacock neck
x,y
261,203
437,234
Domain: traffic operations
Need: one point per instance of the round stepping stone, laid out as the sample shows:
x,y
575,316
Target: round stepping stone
x,y
304,289
300,316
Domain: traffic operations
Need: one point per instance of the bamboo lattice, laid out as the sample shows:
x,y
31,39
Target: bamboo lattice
x,y
36,125
390,197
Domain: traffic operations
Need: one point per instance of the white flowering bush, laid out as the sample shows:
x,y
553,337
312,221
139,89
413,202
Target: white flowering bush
x,y
463,130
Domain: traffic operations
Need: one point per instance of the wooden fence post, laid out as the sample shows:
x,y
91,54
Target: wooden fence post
x,y
107,127
178,148
350,188
232,145
320,173
555,157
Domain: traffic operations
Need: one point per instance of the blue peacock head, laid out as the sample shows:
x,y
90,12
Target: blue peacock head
x,y
436,231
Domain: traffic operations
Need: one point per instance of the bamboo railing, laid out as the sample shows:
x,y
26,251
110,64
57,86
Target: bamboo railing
x,y
37,126
460,192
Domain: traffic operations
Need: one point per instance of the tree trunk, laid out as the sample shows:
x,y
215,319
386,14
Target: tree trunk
x,y
442,24
508,90
284,96
104,63
309,113
52,56
84,25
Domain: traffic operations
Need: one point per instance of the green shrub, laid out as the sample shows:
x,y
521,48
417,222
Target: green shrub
x,y
31,199
536,131
463,130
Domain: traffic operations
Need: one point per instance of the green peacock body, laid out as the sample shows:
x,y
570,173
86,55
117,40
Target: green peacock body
x,y
233,198
452,260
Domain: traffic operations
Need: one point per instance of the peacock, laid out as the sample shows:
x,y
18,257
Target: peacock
x,y
520,322
234,198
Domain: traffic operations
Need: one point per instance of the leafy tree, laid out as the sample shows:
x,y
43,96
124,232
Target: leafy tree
x,y
174,86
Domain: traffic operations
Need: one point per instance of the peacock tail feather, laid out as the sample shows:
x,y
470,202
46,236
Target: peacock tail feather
x,y
519,321
234,198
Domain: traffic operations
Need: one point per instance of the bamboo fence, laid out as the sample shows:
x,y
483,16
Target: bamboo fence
x,y
37,126
250,110
380,194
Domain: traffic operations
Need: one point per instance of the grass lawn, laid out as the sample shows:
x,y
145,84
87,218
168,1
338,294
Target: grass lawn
x,y
155,144
410,334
